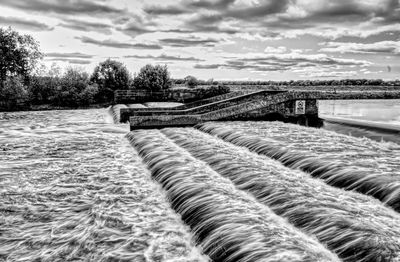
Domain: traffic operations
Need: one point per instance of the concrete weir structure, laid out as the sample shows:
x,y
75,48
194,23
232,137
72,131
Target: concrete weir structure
x,y
293,106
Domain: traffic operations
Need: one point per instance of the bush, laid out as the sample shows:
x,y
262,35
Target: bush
x,y
88,95
13,93
153,78
74,89
42,89
191,81
109,76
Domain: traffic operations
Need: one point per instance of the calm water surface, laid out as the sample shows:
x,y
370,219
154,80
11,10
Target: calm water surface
x,y
386,111
375,119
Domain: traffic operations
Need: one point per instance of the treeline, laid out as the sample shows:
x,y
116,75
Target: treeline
x,y
339,82
191,81
23,85
74,88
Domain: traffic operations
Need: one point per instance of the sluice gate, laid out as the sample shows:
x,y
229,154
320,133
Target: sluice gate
x,y
296,106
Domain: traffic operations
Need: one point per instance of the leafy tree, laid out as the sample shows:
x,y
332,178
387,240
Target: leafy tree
x,y
70,87
191,81
42,89
13,92
19,54
109,76
88,95
153,78
44,83
76,78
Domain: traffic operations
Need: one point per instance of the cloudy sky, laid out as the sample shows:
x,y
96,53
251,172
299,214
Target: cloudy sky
x,y
220,39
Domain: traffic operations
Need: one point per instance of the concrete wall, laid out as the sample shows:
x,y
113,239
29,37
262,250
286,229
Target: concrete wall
x,y
216,105
268,108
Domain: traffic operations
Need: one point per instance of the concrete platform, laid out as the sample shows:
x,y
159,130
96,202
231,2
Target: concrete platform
x,y
260,105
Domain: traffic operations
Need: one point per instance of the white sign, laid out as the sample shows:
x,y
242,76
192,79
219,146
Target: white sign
x,y
300,108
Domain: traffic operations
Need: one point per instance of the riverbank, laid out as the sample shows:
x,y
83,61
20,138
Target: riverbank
x,y
233,88
48,107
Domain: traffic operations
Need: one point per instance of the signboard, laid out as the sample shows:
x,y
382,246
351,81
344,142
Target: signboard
x,y
300,107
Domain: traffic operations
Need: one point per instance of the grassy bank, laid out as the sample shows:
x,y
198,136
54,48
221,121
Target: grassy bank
x,y
47,107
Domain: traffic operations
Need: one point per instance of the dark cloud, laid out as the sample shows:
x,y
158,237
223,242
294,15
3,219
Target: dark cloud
x,y
298,59
68,55
71,61
279,17
134,29
181,42
209,23
209,66
166,10
165,58
206,19
331,15
334,15
391,12
70,7
187,7
24,24
253,12
179,31
117,44
222,11
214,29
383,47
284,62
121,20
214,5
86,26
342,9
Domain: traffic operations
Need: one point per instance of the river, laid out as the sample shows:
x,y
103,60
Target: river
x,y
375,119
73,189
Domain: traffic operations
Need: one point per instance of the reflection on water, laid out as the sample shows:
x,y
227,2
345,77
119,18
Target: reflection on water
x,y
375,119
387,111
73,189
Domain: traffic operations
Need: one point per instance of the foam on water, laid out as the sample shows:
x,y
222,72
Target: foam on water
x,y
73,189
355,226
362,153
385,186
230,225
114,111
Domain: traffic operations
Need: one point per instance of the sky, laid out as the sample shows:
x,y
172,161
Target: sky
x,y
219,39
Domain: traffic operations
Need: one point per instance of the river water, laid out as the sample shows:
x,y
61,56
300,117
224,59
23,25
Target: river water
x,y
73,189
375,119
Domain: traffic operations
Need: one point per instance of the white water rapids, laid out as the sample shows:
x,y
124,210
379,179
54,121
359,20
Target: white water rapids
x,y
73,189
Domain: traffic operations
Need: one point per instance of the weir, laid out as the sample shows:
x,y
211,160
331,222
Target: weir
x,y
292,106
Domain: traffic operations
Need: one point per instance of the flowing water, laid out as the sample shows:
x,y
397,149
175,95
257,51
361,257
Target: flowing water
x,y
343,220
74,186
230,225
73,189
359,164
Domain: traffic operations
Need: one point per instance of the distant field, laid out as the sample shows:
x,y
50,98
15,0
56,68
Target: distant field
x,y
322,88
